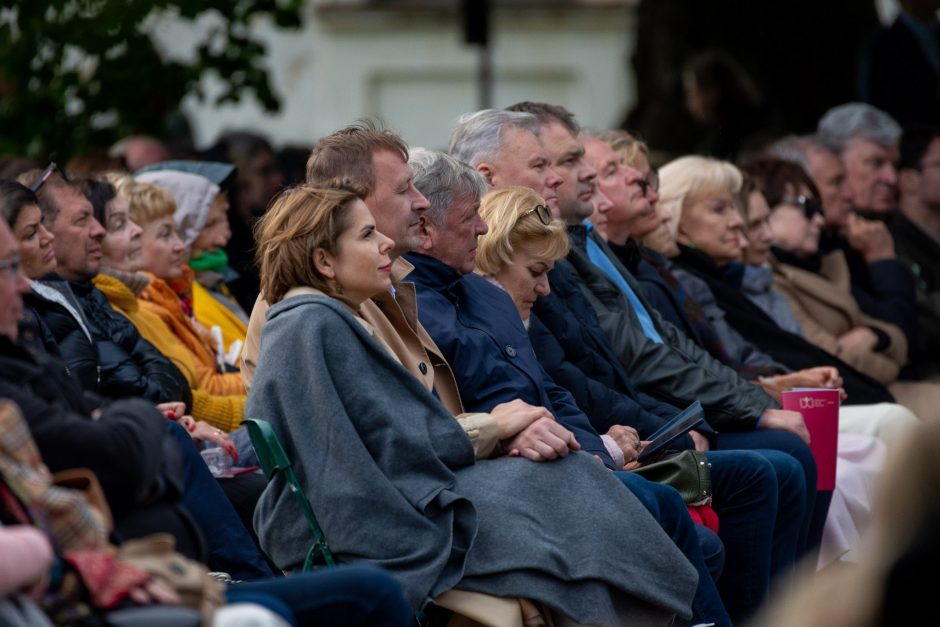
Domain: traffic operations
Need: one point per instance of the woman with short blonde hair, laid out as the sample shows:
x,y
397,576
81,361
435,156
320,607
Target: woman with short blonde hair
x,y
517,216
686,179
219,396
367,437
148,201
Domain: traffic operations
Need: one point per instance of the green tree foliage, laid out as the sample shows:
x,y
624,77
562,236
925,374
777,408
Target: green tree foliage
x,y
78,74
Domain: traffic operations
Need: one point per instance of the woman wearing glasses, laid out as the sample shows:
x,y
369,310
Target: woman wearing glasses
x,y
818,287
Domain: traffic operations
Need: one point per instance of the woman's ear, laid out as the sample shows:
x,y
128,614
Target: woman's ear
x,y
324,263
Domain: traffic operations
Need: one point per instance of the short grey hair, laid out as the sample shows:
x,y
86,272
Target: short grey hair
x,y
479,136
443,180
854,120
793,148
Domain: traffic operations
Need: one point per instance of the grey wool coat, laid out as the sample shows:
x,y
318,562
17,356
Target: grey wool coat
x,y
393,481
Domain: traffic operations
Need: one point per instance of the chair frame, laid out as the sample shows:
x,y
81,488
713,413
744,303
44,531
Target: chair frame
x,y
274,461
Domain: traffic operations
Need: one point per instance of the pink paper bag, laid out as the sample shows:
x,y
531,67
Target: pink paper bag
x,y
820,409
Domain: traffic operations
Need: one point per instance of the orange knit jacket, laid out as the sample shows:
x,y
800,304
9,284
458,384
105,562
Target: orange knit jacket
x,y
160,299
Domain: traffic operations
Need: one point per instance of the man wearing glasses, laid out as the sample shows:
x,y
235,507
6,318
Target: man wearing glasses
x,y
657,357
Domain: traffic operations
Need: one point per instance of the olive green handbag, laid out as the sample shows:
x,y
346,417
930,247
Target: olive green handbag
x,y
689,472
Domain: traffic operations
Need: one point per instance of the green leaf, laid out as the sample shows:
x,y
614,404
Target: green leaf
x,y
65,64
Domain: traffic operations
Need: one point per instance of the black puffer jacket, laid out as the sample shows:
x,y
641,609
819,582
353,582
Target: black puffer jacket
x,y
122,447
101,348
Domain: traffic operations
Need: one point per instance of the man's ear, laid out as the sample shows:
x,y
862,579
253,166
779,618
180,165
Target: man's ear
x,y
427,233
487,171
324,263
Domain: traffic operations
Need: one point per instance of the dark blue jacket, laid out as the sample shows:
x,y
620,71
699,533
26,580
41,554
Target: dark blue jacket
x,y
573,349
884,289
477,328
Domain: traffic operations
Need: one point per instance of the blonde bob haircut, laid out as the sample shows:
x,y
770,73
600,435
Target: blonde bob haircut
x,y
146,202
680,181
299,221
509,214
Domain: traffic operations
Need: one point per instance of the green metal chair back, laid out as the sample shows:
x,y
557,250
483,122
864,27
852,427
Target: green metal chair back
x,y
273,461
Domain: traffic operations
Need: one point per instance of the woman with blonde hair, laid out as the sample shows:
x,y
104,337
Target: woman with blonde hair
x,y
522,245
218,396
201,219
122,283
412,497
570,346
819,289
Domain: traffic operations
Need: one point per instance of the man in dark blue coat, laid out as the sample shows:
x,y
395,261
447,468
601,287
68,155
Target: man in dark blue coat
x,y
477,328
580,356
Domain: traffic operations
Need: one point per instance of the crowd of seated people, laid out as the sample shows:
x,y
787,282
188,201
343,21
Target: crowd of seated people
x,y
464,355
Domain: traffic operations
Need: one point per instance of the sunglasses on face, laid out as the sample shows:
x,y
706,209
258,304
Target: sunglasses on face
x,y
544,214
809,206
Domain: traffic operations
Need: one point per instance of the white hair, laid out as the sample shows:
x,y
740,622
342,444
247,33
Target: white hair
x,y
842,124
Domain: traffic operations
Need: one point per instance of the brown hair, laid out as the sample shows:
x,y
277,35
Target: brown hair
x,y
548,113
55,183
300,220
748,187
347,154
773,176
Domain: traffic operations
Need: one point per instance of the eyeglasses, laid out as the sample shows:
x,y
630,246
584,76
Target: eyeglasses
x,y
809,206
50,169
11,265
543,212
648,182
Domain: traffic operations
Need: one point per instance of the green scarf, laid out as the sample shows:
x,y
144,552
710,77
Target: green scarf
x,y
214,261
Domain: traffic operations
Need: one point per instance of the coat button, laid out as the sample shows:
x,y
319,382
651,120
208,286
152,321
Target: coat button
x,y
510,350
423,367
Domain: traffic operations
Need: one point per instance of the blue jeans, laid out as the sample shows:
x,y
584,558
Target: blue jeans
x,y
816,505
666,506
230,547
353,596
758,496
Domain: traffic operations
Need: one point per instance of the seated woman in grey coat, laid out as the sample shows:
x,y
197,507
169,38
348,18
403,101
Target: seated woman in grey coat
x,y
390,473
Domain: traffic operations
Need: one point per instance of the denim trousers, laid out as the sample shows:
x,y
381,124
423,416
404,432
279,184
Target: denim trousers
x,y
816,504
230,547
759,499
667,507
347,596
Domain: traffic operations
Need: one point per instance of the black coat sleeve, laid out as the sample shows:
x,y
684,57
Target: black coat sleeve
x,y
122,447
892,298
604,406
130,365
